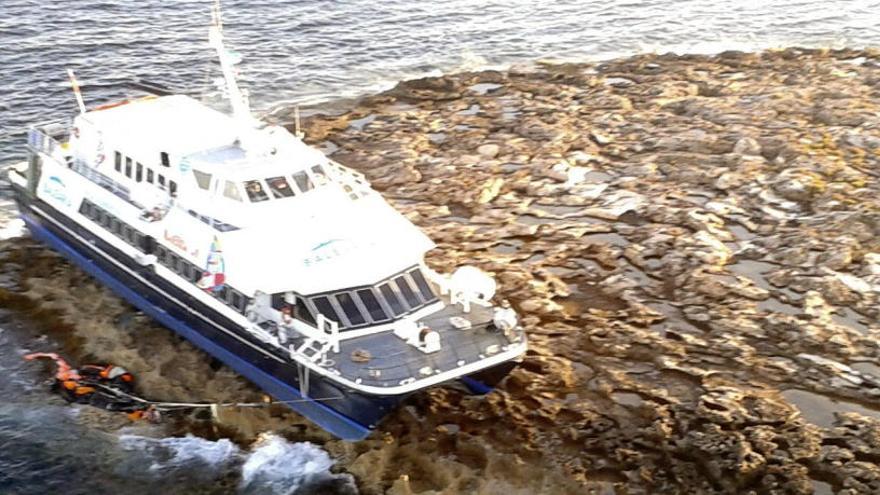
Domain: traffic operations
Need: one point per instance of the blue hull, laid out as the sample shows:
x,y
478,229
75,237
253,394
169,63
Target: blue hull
x,y
346,414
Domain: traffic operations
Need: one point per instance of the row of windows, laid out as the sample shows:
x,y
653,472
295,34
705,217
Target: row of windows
x,y
192,273
117,227
390,299
258,190
146,244
137,172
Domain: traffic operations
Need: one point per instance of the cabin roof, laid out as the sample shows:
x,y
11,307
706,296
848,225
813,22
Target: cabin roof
x,y
176,124
235,163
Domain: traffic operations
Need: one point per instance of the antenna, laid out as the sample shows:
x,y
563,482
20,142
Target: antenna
x,y
240,108
297,130
75,85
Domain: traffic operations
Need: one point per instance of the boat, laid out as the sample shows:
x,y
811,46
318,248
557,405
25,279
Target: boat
x,y
262,251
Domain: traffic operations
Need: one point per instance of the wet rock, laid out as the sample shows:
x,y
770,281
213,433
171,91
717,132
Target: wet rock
x,y
488,150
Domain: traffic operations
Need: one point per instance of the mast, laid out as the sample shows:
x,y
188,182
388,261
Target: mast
x,y
240,108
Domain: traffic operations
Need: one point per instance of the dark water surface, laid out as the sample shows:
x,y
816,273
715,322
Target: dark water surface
x,y
309,51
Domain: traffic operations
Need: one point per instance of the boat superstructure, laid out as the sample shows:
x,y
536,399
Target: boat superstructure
x,y
264,252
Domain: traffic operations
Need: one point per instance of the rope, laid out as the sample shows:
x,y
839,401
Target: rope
x,y
193,405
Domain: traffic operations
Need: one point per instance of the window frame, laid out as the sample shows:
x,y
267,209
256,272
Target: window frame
x,y
371,290
263,190
364,318
290,191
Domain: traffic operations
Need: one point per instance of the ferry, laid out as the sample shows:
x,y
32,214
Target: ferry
x,y
262,251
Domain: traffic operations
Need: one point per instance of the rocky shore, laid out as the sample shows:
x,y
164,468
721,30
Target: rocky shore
x,y
693,243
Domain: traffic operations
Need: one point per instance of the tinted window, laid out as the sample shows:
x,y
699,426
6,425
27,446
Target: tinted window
x,y
163,159
255,191
150,175
172,187
303,182
392,299
128,167
202,179
325,308
407,292
161,180
118,161
320,175
302,311
236,300
230,190
368,299
279,187
350,308
423,285
278,301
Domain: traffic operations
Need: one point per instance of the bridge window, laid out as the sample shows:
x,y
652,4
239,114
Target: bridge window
x,y
279,187
139,172
303,181
202,179
118,161
301,311
164,160
255,191
423,285
350,309
325,308
407,291
128,167
392,299
368,299
150,175
320,175
230,190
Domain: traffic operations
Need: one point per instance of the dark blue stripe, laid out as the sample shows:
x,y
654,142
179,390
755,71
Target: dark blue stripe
x,y
476,386
332,421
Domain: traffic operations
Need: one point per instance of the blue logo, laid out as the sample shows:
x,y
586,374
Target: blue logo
x,y
326,250
54,187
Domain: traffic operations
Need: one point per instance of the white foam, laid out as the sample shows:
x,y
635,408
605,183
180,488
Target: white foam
x,y
273,466
168,454
278,467
14,228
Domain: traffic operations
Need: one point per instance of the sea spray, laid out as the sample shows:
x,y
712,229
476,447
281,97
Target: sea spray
x,y
170,457
278,467
272,466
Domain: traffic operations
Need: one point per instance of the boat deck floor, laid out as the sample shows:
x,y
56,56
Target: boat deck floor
x,y
393,360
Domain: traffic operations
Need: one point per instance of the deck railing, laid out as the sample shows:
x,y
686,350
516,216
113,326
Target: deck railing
x,y
44,139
